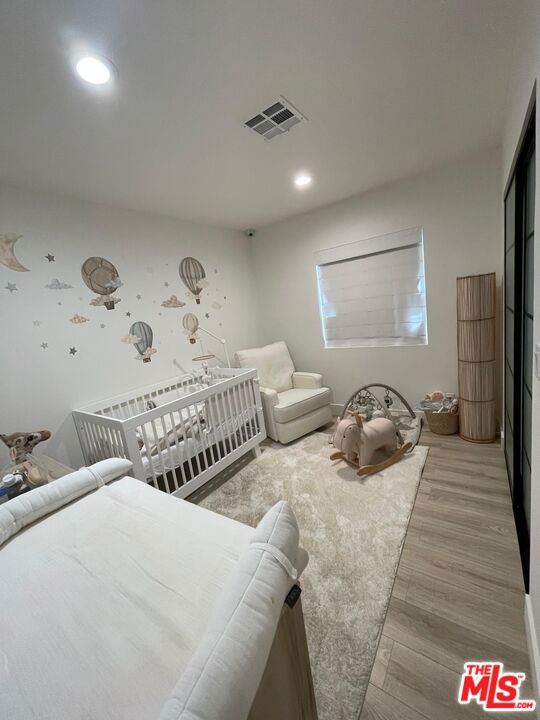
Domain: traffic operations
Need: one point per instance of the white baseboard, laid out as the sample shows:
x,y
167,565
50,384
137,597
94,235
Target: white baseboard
x,y
534,647
336,408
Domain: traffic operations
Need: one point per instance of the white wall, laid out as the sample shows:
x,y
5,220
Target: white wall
x,y
39,387
460,210
525,72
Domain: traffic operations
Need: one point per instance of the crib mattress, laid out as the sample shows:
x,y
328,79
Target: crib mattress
x,y
111,595
184,450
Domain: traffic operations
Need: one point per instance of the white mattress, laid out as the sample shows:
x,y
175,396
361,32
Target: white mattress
x,y
184,450
104,602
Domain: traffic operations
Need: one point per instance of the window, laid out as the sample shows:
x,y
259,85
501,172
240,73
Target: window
x,y
372,292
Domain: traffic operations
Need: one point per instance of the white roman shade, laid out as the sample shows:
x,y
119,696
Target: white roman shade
x,y
372,292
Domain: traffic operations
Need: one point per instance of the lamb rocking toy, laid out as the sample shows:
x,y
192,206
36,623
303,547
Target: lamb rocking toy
x,y
356,442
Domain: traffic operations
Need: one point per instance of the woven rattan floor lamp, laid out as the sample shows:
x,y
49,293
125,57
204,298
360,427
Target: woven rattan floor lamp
x,y
476,309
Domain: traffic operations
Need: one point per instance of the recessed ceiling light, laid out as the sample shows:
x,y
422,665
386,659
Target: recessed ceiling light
x,y
303,180
93,70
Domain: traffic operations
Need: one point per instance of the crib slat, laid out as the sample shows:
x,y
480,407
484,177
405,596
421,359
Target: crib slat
x,y
220,399
147,447
251,408
102,441
246,420
209,439
203,435
235,415
253,404
95,442
90,441
172,462
83,437
238,413
116,444
179,457
231,419
197,440
157,443
109,442
187,444
246,417
214,426
253,389
87,443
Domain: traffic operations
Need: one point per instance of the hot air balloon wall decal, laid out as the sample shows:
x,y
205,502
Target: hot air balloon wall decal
x,y
145,336
193,276
101,277
191,325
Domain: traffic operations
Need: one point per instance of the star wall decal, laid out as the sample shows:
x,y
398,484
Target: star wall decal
x,y
44,345
37,323
128,314
50,257
139,297
166,284
102,325
72,350
11,287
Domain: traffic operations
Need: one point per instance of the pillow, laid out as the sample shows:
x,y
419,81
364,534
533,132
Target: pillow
x,y
24,509
222,678
273,363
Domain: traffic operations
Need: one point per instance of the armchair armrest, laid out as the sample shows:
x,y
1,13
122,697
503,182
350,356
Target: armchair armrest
x,y
307,380
269,399
268,396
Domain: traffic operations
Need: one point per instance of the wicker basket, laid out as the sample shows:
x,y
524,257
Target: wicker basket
x,y
442,423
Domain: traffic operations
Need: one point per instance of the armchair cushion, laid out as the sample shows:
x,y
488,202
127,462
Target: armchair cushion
x,y
299,401
273,363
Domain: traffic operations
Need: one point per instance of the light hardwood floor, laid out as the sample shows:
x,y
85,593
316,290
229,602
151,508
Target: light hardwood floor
x,y
458,593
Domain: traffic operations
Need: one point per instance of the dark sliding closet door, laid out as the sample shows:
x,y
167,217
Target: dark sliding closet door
x,y
518,344
527,331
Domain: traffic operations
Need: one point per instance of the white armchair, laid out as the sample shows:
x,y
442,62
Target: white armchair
x,y
294,403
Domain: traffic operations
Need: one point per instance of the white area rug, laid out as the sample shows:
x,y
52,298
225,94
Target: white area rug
x,y
353,529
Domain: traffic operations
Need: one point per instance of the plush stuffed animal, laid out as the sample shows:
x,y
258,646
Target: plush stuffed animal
x,y
357,441
22,443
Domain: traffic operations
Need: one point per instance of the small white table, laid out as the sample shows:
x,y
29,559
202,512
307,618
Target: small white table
x,y
54,468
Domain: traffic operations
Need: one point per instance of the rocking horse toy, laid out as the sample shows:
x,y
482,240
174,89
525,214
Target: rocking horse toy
x,y
368,424
356,443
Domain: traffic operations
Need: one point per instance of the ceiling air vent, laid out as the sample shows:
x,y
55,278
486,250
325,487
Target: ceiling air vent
x,y
277,119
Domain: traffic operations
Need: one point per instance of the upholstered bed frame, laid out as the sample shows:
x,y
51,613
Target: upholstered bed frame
x,y
120,601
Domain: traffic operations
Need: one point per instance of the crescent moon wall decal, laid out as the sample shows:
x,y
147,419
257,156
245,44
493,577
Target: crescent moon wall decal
x,y
7,252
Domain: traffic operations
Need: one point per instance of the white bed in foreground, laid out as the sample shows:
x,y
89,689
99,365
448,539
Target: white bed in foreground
x,y
120,602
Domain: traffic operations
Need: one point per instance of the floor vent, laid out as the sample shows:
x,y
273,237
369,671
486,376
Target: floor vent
x,y
276,120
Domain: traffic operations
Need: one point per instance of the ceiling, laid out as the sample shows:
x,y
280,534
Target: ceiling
x,y
389,87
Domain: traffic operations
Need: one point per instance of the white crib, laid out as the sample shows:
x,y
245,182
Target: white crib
x,y
179,433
